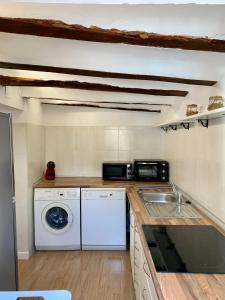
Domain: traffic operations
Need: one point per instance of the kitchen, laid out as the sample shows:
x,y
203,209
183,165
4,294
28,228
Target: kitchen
x,y
81,126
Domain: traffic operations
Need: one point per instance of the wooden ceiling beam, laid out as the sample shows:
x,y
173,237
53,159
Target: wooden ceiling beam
x,y
100,102
103,74
59,29
19,81
106,107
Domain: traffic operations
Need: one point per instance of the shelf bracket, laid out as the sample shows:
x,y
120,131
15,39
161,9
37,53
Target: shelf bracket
x,y
164,128
185,125
173,127
204,122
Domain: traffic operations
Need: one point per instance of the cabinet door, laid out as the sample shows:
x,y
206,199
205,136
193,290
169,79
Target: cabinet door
x,y
137,263
8,259
143,282
147,288
132,240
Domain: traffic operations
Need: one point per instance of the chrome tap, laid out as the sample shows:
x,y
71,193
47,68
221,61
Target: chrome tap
x,y
177,193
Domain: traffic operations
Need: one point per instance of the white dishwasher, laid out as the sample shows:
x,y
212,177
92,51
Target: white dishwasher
x,y
103,218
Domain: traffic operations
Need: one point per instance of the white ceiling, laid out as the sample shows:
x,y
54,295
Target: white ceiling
x,y
126,1
196,20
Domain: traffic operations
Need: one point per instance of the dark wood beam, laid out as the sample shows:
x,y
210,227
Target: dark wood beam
x,y
59,29
19,81
103,74
106,107
100,102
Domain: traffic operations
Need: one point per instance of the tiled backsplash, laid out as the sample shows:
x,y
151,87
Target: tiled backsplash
x,y
197,161
80,151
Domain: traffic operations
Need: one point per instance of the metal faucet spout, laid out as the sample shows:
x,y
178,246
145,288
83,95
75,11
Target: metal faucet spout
x,y
177,193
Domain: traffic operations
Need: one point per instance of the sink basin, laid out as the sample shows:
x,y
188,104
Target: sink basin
x,y
165,205
157,197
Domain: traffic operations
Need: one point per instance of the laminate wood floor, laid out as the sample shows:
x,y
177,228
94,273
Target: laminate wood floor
x,y
89,275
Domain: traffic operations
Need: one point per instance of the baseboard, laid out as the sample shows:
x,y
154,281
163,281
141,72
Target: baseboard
x,y
100,247
24,255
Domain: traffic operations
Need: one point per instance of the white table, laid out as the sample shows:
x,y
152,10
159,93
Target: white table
x,y
47,295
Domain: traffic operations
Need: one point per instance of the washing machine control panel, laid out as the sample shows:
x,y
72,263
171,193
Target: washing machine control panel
x,y
56,194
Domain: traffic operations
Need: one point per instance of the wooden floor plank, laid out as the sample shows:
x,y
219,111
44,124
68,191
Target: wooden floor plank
x,y
94,275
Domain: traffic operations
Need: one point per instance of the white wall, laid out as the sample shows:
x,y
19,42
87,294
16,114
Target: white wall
x,y
10,98
125,2
197,163
29,152
197,157
79,140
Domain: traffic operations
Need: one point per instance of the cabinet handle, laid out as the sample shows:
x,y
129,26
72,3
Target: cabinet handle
x,y
144,268
143,293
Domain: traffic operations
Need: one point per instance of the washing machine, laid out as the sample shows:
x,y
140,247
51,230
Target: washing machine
x,y
57,218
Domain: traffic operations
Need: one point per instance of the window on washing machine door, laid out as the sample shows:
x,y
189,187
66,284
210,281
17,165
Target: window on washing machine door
x,y
57,218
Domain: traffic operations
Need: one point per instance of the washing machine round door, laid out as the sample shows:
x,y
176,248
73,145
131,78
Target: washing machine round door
x,y
57,217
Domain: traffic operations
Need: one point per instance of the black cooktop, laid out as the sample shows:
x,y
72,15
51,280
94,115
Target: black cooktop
x,y
186,248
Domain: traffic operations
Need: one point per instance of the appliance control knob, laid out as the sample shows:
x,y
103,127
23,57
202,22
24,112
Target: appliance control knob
x,y
163,178
163,171
163,164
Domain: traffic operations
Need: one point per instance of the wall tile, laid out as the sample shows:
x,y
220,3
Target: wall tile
x,y
80,151
111,139
197,163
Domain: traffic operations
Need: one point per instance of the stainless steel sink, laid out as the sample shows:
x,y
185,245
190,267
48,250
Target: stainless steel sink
x,y
166,205
158,197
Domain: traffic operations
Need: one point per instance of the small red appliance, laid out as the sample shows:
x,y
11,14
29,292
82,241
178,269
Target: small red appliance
x,y
50,171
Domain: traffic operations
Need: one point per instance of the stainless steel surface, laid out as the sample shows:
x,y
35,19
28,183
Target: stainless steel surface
x,y
8,269
151,187
166,205
158,197
177,192
171,210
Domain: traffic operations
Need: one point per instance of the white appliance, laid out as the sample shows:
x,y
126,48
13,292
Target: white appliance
x,y
103,215
57,218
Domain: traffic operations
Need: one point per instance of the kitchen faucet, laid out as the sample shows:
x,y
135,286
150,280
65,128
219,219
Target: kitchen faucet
x,y
177,193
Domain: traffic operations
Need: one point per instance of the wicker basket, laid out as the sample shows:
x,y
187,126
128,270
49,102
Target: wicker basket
x,y
215,102
192,109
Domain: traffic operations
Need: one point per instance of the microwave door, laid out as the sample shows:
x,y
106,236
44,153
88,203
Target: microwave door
x,y
115,172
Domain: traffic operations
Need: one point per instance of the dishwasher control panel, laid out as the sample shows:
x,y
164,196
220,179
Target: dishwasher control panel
x,y
103,193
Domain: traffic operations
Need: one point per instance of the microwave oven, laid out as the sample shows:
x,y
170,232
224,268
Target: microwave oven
x,y
151,170
117,170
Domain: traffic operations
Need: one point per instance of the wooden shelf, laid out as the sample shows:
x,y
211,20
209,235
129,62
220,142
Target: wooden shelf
x,y
203,117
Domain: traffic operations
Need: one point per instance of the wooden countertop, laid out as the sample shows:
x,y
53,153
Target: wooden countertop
x,y
91,182
169,286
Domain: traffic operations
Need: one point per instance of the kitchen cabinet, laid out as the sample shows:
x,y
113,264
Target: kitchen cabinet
x,y
143,282
132,240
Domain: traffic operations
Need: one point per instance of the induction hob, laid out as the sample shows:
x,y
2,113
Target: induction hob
x,y
186,248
